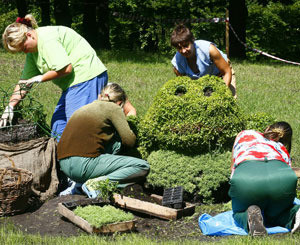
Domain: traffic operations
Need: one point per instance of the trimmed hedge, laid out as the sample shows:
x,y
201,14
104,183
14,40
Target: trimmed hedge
x,y
200,175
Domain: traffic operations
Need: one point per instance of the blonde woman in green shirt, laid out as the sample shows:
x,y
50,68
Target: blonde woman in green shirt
x,y
59,54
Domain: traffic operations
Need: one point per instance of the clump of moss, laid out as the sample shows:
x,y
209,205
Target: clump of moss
x,y
98,216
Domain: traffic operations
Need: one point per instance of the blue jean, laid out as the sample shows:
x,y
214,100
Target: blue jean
x,y
72,99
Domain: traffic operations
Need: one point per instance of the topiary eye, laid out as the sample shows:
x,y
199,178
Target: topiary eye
x,y
180,90
207,91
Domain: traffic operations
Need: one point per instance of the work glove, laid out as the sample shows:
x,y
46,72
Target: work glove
x,y
8,114
88,189
31,81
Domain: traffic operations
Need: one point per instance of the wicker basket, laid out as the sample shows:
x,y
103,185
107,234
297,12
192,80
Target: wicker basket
x,y
17,133
15,190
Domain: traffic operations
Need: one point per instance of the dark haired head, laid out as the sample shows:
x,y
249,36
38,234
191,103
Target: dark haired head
x,y
181,34
280,132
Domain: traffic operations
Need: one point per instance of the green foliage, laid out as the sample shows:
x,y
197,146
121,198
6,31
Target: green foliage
x,y
7,18
183,132
133,122
266,24
98,216
106,188
258,121
198,174
193,116
29,110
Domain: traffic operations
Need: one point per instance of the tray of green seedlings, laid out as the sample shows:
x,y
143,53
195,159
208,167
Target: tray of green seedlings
x,y
96,216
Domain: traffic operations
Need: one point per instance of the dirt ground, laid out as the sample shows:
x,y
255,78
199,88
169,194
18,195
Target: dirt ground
x,y
47,221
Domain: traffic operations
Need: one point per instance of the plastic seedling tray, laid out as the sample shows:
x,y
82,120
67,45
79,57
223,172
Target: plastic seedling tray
x,y
173,197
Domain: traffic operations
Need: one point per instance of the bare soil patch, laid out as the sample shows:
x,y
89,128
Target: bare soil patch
x,y
45,220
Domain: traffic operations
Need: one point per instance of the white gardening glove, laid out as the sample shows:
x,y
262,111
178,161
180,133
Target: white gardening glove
x,y
29,82
8,114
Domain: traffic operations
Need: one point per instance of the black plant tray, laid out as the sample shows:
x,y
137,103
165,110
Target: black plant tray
x,y
173,197
18,133
91,201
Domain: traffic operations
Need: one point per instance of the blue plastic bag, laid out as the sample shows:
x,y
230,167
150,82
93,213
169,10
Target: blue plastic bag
x,y
223,224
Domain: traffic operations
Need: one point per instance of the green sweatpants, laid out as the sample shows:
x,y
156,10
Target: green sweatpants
x,y
123,169
271,185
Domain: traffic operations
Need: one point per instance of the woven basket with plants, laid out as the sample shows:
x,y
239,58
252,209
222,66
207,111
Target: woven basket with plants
x,y
15,190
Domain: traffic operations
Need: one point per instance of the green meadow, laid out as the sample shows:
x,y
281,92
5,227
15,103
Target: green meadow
x,y
269,87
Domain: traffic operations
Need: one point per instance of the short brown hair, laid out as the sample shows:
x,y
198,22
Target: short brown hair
x,y
181,34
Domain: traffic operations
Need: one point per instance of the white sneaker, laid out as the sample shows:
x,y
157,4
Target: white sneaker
x,y
296,226
75,188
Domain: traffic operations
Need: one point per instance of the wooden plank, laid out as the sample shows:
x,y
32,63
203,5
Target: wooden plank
x,y
157,197
152,208
83,224
145,207
297,172
121,226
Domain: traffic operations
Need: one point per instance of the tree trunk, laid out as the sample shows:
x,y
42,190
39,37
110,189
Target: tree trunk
x,y
103,24
45,7
62,13
237,17
22,7
89,22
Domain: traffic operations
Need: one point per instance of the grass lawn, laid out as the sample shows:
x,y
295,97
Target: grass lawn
x,y
261,87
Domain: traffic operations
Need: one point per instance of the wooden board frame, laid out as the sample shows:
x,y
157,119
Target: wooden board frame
x,y
83,224
152,208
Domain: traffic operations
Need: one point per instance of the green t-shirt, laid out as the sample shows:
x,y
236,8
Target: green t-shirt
x,y
59,46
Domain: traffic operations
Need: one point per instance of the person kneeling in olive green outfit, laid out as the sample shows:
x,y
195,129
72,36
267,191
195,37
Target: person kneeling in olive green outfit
x,y
93,129
263,184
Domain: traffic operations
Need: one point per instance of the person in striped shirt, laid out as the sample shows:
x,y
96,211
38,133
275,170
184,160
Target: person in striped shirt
x,y
263,184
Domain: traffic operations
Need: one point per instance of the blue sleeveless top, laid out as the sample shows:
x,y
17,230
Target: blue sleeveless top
x,y
205,65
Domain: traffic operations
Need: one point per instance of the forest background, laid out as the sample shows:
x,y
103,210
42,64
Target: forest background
x,y
270,26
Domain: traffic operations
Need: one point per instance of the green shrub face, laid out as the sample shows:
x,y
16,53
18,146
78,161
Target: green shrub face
x,y
191,116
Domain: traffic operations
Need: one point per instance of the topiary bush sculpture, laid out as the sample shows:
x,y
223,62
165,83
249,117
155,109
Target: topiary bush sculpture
x,y
187,135
193,116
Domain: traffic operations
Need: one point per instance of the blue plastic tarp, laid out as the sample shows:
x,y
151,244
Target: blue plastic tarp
x,y
223,224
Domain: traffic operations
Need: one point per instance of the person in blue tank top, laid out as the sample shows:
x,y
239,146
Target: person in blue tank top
x,y
197,58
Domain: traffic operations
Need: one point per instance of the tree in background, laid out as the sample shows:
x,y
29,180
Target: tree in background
x,y
45,12
89,25
103,24
62,12
272,26
22,7
237,17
